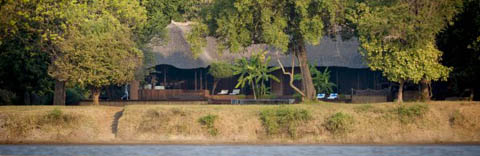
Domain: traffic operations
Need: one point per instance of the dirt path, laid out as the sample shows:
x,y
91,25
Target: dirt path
x,y
108,122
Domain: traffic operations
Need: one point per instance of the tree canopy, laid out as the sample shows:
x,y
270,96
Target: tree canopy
x,y
398,37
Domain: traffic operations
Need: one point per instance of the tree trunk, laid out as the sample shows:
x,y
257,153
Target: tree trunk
x,y
59,95
291,74
309,89
215,82
253,88
96,96
424,91
134,87
400,92
472,94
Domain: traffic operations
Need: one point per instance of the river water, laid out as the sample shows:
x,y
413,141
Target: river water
x,y
243,150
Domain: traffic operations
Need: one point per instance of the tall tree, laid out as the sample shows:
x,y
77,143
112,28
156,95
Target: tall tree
x,y
460,42
27,31
397,37
287,25
98,48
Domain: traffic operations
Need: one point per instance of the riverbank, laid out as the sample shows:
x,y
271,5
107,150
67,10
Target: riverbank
x,y
321,123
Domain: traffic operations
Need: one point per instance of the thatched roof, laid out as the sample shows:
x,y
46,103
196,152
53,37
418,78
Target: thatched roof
x,y
177,52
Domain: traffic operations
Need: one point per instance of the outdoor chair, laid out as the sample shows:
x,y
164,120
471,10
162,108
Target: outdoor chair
x,y
235,92
333,96
223,92
321,96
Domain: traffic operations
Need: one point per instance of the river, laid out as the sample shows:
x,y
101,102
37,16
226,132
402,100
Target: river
x,y
243,150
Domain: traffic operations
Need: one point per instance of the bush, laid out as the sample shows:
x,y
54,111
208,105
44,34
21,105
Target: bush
x,y
6,97
283,120
456,118
57,117
153,121
73,96
339,123
408,114
20,125
209,122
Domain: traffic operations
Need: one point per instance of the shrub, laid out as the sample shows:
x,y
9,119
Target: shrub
x,y
57,117
6,97
21,125
283,120
339,123
456,118
408,114
152,121
209,122
76,94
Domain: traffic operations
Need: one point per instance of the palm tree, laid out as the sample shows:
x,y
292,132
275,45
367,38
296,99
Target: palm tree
x,y
255,71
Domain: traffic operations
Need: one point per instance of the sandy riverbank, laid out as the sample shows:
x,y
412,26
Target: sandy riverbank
x,y
387,123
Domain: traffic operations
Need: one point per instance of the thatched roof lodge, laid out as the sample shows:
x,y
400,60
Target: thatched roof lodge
x,y
176,52
177,68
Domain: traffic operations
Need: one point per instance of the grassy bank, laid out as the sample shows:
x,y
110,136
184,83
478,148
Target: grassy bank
x,y
436,122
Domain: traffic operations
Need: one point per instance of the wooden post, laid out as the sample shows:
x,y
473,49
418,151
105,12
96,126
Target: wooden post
x,y
338,85
195,79
165,77
206,82
201,80
134,85
358,79
154,81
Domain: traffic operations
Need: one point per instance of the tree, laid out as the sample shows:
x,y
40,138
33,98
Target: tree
x,y
255,72
460,43
397,37
98,47
286,25
220,70
27,30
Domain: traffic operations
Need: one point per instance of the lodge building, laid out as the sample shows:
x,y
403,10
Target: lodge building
x,y
178,75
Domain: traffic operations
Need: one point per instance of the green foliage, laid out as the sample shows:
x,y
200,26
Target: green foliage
x,y
408,114
57,117
55,114
321,80
22,125
99,50
209,122
286,25
74,96
284,120
24,58
339,123
240,23
460,44
255,71
221,70
395,42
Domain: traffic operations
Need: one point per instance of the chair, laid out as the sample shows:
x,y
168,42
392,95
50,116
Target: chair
x,y
223,92
321,96
235,92
333,96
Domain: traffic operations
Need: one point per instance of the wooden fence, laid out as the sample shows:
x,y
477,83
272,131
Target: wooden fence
x,y
173,94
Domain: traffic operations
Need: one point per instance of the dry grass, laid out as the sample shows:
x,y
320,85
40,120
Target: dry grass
x,y
384,123
53,124
373,123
